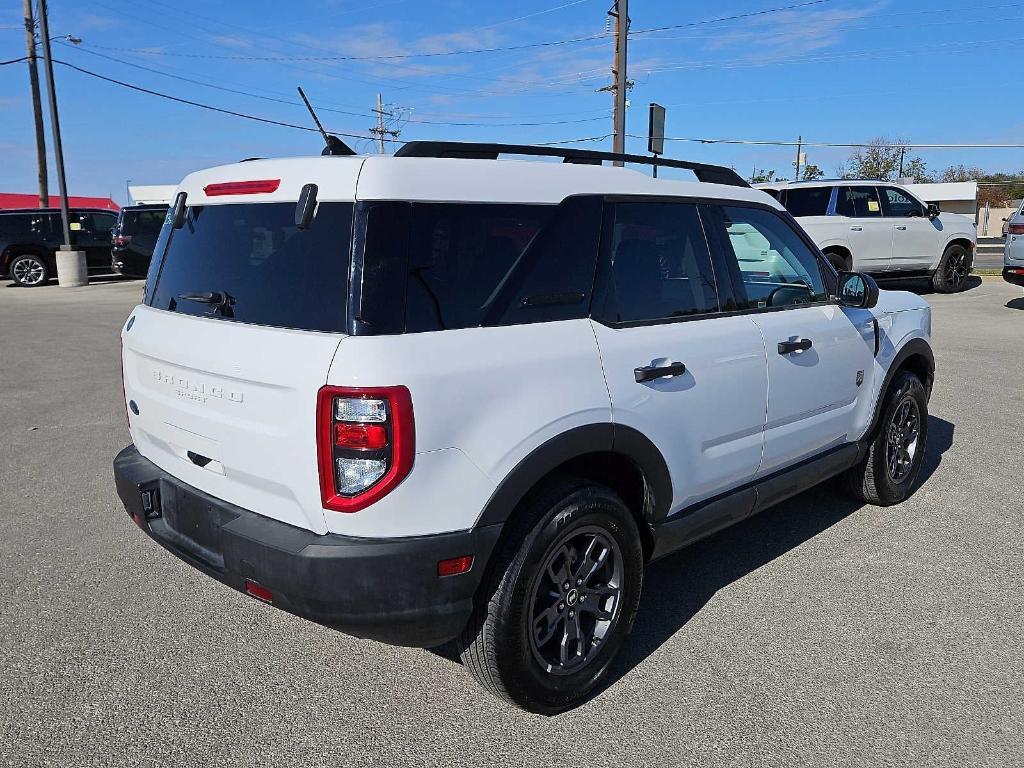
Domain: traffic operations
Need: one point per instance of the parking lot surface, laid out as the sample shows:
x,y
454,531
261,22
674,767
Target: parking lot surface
x,y
821,632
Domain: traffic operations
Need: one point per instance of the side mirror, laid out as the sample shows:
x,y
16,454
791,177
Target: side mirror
x,y
857,290
933,211
306,206
178,216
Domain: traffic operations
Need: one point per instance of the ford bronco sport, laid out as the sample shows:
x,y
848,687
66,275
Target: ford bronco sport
x,y
441,396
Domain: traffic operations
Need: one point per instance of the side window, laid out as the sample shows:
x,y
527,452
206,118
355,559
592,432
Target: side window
x,y
777,267
896,203
434,266
858,202
808,201
657,263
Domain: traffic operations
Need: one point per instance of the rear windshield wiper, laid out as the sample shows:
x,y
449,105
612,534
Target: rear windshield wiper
x,y
220,301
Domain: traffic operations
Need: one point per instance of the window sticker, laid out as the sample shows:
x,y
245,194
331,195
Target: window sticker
x,y
75,225
873,206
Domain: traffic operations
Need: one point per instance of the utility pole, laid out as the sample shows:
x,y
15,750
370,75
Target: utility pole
x,y
380,131
71,269
799,146
37,104
621,13
902,152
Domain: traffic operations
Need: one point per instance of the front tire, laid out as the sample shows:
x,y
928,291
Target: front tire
x,y
954,267
29,270
888,473
560,599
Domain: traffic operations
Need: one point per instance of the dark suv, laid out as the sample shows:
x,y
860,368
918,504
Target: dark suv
x,y
134,237
30,238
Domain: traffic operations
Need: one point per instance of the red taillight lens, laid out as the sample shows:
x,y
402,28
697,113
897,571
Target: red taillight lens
x,y
1015,229
259,591
365,444
1016,271
254,187
366,437
122,239
455,565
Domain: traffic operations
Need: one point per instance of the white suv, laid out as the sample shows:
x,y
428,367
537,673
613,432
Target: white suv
x,y
441,396
882,229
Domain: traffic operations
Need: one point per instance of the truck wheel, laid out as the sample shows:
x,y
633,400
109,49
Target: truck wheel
x,y
560,599
954,267
29,270
887,474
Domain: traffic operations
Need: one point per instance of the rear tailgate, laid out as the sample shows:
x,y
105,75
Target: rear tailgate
x,y
230,408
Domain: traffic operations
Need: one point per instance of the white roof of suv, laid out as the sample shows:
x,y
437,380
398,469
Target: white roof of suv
x,y
442,179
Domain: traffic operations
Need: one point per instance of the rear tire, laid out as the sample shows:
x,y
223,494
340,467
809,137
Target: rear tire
x,y
888,473
28,270
545,646
954,267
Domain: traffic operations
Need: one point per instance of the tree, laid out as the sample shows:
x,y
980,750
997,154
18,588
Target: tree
x,y
761,176
961,173
812,172
880,159
915,169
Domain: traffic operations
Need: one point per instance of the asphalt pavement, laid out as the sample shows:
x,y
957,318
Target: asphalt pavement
x,y
821,632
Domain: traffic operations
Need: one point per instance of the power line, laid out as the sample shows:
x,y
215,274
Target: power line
x,y
494,49
13,61
841,145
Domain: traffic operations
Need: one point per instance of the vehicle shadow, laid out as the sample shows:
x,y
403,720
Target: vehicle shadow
x,y
1017,303
922,285
678,586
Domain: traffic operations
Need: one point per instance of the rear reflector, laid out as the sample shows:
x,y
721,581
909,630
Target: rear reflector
x,y
455,565
1015,229
1017,271
259,591
254,187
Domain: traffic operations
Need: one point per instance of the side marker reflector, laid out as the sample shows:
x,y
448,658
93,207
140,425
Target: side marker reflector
x,y
259,591
455,565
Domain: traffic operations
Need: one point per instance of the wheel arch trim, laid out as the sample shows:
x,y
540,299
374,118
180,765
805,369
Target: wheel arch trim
x,y
914,348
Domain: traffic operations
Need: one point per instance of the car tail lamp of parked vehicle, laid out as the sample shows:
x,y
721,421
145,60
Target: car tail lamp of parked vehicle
x,y
365,444
1015,229
122,240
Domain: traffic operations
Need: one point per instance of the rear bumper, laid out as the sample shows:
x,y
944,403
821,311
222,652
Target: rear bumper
x,y
383,589
1014,275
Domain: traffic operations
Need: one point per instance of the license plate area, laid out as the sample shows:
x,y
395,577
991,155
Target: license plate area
x,y
192,523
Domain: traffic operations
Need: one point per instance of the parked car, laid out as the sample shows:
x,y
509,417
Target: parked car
x,y
1013,250
440,396
882,229
30,238
134,237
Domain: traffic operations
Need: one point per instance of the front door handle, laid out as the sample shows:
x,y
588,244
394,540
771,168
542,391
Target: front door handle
x,y
651,372
786,347
901,226
856,229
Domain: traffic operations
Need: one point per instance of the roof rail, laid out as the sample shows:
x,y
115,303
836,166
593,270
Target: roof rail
x,y
711,174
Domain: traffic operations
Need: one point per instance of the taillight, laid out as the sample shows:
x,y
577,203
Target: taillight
x,y
1015,229
122,239
365,444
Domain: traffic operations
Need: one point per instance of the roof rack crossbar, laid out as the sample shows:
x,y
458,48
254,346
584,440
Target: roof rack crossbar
x,y
711,174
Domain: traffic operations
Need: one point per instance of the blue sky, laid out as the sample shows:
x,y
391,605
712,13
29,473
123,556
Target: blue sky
x,y
835,71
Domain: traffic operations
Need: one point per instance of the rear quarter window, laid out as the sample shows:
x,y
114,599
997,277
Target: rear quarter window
x,y
810,201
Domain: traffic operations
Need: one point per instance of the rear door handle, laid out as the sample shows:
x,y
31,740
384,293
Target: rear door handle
x,y
786,347
856,229
651,372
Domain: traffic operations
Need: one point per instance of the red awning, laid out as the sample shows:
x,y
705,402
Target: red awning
x,y
19,200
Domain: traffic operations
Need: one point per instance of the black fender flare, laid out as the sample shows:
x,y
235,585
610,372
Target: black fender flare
x,y
916,346
571,444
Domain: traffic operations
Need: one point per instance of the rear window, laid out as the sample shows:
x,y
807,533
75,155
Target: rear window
x,y
251,264
812,201
142,222
435,266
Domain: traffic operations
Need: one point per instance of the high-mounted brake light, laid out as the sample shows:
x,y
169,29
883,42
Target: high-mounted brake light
x,y
365,444
254,187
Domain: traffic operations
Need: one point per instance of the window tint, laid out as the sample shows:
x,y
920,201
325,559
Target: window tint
x,y
897,203
810,201
139,222
858,202
464,265
269,272
658,263
777,267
